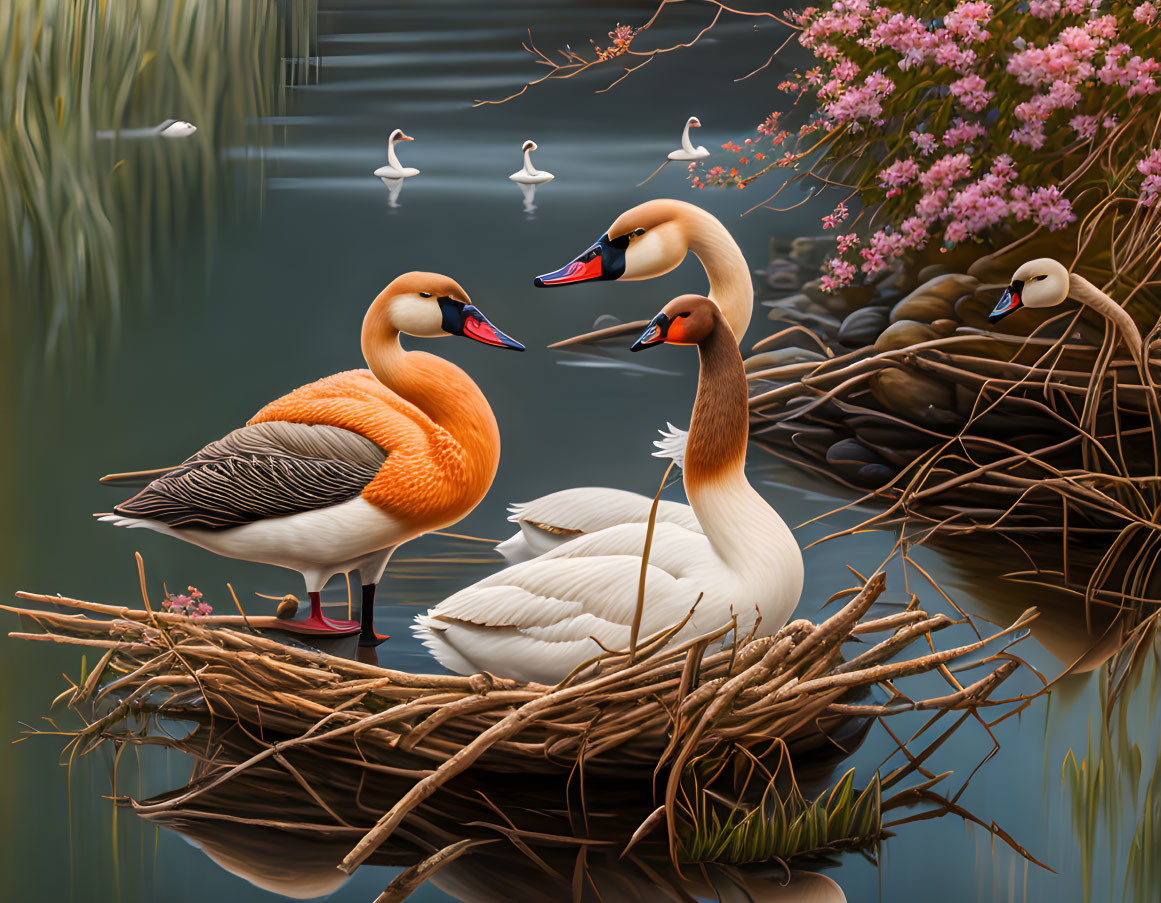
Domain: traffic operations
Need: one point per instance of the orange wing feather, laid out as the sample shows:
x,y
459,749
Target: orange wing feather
x,y
426,477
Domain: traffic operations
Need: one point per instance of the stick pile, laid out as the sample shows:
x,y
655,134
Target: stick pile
x,y
649,712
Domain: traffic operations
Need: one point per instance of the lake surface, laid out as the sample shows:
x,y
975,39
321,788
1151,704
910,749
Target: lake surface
x,y
273,296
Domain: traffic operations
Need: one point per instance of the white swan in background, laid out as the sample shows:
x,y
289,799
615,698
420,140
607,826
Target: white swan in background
x,y
1045,282
687,152
529,174
539,620
394,169
169,128
646,241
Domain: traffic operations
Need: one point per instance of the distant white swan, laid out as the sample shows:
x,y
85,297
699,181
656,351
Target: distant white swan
x,y
169,128
529,174
687,151
394,169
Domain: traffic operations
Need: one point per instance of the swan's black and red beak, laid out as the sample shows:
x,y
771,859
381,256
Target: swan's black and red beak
x,y
1009,301
467,320
654,334
604,260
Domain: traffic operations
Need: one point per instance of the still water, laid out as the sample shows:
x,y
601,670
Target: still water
x,y
272,297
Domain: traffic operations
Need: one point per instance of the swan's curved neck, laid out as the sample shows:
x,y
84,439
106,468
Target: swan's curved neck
x,y
528,167
1091,296
391,158
745,532
729,275
439,388
685,142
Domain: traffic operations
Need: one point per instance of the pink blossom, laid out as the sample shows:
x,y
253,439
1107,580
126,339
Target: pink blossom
x,y
1051,208
1150,168
914,232
832,220
847,242
925,141
1085,126
1044,9
967,20
1145,13
897,175
955,232
842,269
962,132
945,171
971,92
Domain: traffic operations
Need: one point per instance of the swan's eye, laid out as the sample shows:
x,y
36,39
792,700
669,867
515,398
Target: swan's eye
x,y
637,232
425,294
1038,278
590,254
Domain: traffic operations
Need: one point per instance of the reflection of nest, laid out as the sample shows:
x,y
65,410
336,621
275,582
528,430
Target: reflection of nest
x,y
654,712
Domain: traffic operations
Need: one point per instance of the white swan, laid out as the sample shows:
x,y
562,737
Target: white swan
x,y
687,152
529,174
394,169
169,128
1045,282
647,241
539,620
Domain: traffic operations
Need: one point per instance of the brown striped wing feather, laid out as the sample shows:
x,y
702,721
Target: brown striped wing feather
x,y
265,470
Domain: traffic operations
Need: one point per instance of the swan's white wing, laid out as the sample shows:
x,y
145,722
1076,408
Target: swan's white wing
x,y
558,517
588,509
541,619
672,444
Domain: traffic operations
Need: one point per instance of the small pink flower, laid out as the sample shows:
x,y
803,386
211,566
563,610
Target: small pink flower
x,y
832,220
971,92
1146,13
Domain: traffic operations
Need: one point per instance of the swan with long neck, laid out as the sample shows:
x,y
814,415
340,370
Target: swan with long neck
x,y
540,619
529,174
333,477
651,239
646,241
1045,282
394,169
687,152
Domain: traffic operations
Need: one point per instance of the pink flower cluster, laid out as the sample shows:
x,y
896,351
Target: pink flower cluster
x,y
1150,168
190,605
966,105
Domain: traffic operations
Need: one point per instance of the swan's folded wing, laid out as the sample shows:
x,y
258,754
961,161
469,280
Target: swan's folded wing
x,y
256,472
588,509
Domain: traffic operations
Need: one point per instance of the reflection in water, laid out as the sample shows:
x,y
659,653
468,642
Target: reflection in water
x,y
529,192
394,187
1115,818
285,824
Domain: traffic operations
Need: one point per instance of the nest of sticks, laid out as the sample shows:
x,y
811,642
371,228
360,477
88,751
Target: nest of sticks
x,y
1049,443
648,712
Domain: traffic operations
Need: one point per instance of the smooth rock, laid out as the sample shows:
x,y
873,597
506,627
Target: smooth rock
x,y
918,398
922,309
904,334
863,326
779,357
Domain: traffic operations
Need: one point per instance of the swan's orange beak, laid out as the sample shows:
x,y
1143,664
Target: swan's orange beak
x,y
467,320
405,138
655,333
604,260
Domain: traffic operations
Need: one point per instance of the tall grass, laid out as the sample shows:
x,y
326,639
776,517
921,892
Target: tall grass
x,y
83,218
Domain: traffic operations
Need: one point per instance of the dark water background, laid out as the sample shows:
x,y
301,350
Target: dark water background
x,y
273,297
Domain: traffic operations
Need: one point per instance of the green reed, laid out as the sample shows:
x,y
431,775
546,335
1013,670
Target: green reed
x,y
1105,786
84,220
784,824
